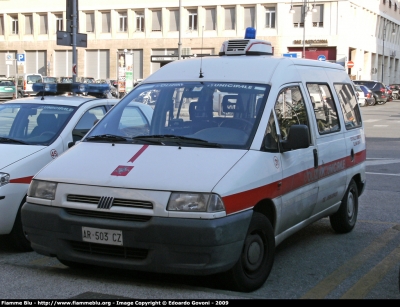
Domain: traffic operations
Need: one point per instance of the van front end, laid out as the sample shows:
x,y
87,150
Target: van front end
x,y
134,230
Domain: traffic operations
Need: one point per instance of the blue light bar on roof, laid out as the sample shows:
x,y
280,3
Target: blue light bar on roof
x,y
45,87
78,88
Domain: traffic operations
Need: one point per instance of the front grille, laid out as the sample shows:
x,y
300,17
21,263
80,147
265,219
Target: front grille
x,y
237,45
109,215
107,202
109,250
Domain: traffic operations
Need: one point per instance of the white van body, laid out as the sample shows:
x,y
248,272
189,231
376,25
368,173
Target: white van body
x,y
180,198
25,83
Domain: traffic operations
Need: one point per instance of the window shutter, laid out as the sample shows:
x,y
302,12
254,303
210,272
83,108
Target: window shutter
x,y
156,22
106,28
89,22
249,17
319,15
298,16
210,19
230,18
174,20
43,24
28,24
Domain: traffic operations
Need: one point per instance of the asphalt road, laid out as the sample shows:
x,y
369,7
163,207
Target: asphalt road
x,y
314,263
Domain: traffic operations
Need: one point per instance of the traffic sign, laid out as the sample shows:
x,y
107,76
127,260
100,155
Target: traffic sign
x,y
290,55
321,58
350,64
74,69
9,58
21,57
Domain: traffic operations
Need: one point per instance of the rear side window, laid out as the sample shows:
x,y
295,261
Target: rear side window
x,y
324,108
349,105
33,79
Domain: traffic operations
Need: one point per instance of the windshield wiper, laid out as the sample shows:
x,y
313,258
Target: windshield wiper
x,y
9,140
106,137
177,139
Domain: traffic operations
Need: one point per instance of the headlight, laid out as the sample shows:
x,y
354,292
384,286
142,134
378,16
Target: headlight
x,y
4,179
195,202
42,189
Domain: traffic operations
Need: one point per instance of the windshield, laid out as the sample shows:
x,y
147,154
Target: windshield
x,y
32,124
219,114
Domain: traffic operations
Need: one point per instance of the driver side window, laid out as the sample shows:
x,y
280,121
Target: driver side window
x,y
290,110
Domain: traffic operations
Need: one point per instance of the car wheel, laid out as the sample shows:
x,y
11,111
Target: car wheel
x,y
17,236
345,218
257,257
395,96
372,102
381,102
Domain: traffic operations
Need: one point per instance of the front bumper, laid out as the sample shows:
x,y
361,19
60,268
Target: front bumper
x,y
160,244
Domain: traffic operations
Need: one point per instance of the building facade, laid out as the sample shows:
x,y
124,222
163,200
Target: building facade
x,y
145,35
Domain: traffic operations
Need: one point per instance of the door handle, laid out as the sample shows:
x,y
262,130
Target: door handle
x,y
315,152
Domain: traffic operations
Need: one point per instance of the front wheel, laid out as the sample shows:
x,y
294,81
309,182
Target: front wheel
x,y
345,218
17,236
255,262
381,102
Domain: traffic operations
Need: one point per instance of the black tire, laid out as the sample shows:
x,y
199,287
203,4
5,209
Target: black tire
x,y
17,236
395,96
371,103
345,218
381,102
257,257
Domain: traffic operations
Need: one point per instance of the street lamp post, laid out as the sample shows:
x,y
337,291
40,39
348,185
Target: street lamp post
x,y
383,46
305,10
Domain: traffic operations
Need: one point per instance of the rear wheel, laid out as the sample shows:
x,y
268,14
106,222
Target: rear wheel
x,y
345,218
381,102
395,96
371,102
257,257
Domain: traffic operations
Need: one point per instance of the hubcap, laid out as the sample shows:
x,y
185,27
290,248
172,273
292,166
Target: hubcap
x,y
350,205
253,253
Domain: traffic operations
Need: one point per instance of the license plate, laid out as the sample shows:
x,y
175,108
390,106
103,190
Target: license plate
x,y
8,88
102,236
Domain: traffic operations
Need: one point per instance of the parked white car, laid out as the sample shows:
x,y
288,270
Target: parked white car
x,y
33,132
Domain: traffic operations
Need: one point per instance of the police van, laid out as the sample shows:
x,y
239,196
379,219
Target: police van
x,y
243,150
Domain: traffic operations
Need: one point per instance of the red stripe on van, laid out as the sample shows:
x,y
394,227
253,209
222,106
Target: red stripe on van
x,y
248,199
138,153
22,180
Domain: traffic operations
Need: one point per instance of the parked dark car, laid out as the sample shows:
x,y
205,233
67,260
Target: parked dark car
x,y
378,89
369,95
390,93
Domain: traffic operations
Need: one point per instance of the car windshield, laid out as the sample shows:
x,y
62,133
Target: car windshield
x,y
32,124
208,114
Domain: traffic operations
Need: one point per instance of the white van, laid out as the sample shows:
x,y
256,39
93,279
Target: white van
x,y
237,157
25,83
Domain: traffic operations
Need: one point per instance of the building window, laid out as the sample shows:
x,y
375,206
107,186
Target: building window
x,y
174,20
192,20
123,22
298,21
105,22
318,16
139,22
210,19
28,24
59,22
14,25
1,25
89,22
43,24
270,17
156,20
230,18
390,3
249,17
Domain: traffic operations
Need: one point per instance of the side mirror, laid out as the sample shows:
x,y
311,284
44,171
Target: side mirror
x,y
298,137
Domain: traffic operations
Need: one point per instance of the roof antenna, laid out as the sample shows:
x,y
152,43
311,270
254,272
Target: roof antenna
x,y
201,60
